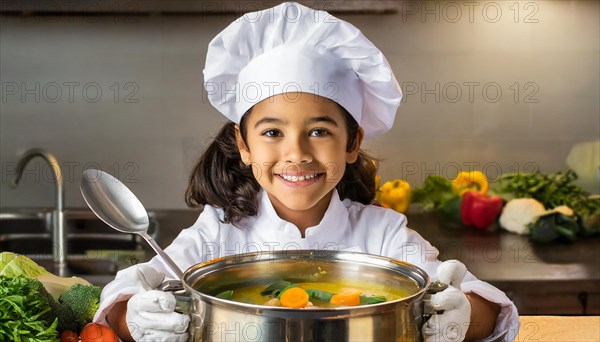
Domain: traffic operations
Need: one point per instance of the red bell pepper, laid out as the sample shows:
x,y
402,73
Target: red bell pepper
x,y
479,210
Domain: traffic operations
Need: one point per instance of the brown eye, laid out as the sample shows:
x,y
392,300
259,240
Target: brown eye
x,y
272,133
319,132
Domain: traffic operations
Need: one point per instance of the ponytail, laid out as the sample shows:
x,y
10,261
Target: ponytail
x,y
222,180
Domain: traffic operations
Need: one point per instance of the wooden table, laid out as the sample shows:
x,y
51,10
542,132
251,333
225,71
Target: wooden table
x,y
559,328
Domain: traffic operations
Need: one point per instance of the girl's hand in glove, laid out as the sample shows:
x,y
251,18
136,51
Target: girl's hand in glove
x,y
452,324
150,317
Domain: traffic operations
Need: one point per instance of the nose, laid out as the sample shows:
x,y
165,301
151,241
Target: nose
x,y
297,151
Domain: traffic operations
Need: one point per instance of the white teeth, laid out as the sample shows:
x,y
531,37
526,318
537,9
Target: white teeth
x,y
298,178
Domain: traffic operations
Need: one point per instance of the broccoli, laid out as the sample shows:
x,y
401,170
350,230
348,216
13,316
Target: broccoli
x,y
83,300
66,318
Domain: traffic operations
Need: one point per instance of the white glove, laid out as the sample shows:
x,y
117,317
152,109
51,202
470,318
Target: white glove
x,y
453,323
150,317
150,313
128,282
148,278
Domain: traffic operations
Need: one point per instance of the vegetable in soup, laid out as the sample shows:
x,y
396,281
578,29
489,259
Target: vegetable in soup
x,y
308,295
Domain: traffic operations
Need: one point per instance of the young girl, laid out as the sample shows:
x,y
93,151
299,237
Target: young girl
x,y
302,89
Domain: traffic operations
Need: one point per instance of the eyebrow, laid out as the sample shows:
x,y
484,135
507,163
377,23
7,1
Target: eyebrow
x,y
312,120
268,120
318,119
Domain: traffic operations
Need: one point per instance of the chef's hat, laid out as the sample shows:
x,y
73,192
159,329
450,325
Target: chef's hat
x,y
293,48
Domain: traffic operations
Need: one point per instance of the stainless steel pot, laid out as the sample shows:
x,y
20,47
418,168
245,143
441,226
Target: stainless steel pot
x,y
215,319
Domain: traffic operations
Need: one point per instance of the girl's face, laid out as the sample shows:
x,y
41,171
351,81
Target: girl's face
x,y
297,147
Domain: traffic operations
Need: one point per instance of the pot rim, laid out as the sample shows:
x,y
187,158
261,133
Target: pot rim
x,y
308,255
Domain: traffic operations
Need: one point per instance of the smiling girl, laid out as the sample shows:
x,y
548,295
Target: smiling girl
x,y
301,90
296,151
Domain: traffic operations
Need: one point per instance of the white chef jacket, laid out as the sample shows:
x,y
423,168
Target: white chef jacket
x,y
346,224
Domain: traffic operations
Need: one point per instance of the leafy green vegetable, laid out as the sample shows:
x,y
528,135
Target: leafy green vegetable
x,y
554,190
13,265
364,299
550,227
83,301
225,294
275,288
434,194
25,312
450,209
323,296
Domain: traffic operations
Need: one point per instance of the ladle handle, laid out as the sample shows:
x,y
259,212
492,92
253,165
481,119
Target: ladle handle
x,y
172,265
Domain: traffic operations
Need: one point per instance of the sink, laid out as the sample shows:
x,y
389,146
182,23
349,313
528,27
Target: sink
x,y
79,265
25,220
77,243
93,248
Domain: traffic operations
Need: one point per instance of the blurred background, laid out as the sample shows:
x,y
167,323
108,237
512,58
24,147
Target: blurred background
x,y
494,86
497,86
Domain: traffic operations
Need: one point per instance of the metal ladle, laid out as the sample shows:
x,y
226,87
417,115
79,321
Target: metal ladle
x,y
119,208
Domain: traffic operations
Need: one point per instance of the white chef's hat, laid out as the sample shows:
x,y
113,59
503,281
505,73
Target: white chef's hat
x,y
293,48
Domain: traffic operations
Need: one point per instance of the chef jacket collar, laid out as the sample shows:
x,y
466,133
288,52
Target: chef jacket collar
x,y
333,225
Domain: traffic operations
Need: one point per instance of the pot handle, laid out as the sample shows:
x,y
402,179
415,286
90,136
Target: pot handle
x,y
450,272
428,309
182,297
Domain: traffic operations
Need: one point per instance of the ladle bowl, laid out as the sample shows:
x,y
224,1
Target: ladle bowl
x,y
119,208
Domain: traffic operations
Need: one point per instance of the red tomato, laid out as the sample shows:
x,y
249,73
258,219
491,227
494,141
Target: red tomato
x,y
69,336
94,332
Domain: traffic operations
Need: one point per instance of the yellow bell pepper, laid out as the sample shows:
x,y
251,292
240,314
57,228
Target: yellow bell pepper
x,y
470,181
395,194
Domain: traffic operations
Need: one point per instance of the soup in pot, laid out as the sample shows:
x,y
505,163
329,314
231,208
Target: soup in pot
x,y
307,295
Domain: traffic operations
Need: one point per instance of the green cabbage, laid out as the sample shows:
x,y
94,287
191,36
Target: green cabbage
x,y
14,265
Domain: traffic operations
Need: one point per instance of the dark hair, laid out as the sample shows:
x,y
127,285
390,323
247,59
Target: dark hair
x,y
222,180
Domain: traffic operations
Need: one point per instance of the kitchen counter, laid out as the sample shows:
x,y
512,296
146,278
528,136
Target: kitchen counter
x,y
542,279
556,278
559,329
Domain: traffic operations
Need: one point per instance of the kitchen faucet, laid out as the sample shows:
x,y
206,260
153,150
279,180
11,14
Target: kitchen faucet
x,y
59,241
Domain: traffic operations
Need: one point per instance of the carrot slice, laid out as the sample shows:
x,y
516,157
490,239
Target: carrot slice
x,y
346,299
294,297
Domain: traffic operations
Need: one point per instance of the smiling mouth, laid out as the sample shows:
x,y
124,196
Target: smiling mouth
x,y
301,178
